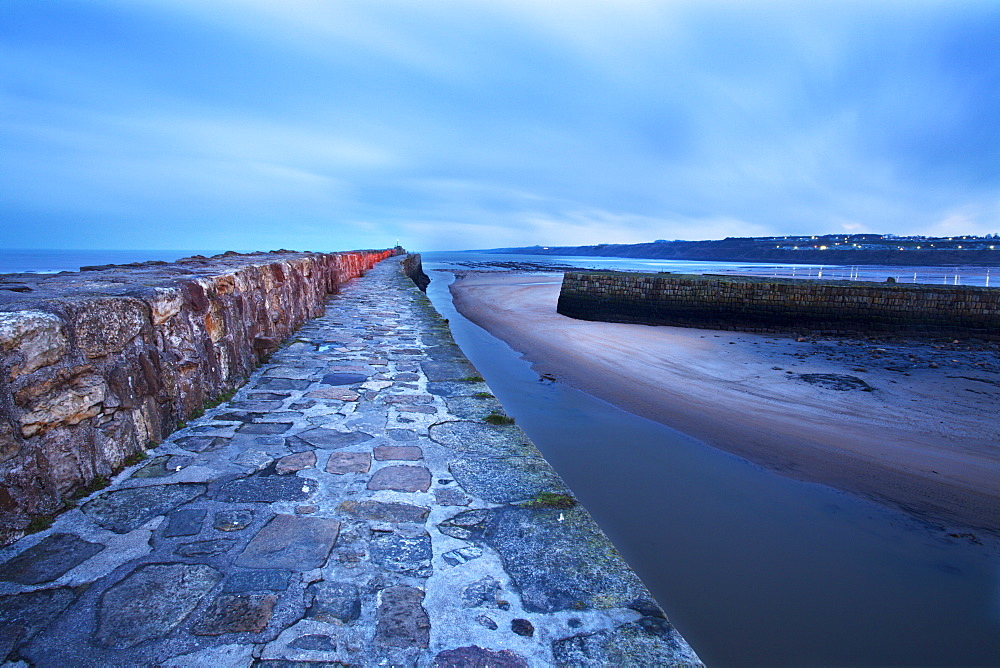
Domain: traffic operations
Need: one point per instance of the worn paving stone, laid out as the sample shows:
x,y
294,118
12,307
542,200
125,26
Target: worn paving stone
x,y
335,393
408,399
123,510
506,479
184,522
341,463
483,593
438,371
407,555
282,384
402,620
380,511
479,438
270,579
344,378
268,428
151,601
155,468
408,453
236,613
295,462
334,601
262,488
24,615
50,559
202,443
451,496
402,434
232,520
649,641
291,543
332,439
401,479
205,548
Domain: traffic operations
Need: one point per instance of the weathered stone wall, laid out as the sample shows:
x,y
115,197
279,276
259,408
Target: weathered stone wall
x,y
96,365
414,269
769,305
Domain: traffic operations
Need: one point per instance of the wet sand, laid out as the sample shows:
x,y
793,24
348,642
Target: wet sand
x,y
924,439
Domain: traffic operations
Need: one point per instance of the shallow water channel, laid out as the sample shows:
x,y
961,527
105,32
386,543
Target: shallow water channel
x,y
753,568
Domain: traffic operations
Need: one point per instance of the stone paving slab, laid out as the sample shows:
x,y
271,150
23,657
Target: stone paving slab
x,y
349,506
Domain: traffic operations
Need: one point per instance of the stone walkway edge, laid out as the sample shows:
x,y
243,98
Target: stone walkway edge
x,y
354,504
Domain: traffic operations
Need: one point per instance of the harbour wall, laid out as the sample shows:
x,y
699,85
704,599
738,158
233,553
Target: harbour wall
x,y
97,365
777,305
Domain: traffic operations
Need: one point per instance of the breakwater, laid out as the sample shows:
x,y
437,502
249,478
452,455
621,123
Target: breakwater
x,y
362,500
775,305
100,364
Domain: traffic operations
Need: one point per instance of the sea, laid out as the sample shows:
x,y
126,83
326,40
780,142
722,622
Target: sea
x,y
753,568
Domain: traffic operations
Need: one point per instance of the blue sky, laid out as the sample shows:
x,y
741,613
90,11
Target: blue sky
x,y
335,124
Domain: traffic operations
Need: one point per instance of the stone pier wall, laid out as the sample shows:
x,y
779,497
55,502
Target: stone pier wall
x,y
98,364
772,305
414,269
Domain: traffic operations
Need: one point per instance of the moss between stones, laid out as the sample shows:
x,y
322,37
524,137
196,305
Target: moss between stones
x,y
550,500
498,419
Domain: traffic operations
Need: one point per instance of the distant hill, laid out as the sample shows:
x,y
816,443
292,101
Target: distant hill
x,y
839,250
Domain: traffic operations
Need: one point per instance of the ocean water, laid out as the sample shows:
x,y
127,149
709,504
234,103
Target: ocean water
x,y
52,261
753,568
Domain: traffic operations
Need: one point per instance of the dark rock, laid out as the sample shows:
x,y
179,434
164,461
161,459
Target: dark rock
x,y
292,543
202,443
282,384
331,439
259,405
184,522
268,428
49,560
315,642
340,601
124,510
522,627
205,548
24,615
487,621
836,381
401,479
151,601
380,511
236,613
258,580
462,555
477,657
342,463
402,554
232,520
481,594
155,468
343,379
262,488
407,453
402,620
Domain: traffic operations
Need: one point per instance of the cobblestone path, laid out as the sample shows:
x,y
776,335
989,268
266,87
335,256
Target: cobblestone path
x,y
349,506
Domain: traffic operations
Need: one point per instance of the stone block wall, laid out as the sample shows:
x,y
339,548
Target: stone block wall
x,y
97,365
414,268
774,305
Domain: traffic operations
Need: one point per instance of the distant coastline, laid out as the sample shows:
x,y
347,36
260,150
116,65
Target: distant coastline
x,y
866,249
51,261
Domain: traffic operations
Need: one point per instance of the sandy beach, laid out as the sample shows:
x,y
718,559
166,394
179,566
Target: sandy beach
x,y
912,424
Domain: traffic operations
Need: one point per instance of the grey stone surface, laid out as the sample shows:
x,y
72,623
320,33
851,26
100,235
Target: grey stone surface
x,y
123,510
381,511
292,543
333,439
287,549
650,641
401,479
408,555
184,522
402,620
151,601
49,559
334,601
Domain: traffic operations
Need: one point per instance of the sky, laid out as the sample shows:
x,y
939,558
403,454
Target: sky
x,y
446,125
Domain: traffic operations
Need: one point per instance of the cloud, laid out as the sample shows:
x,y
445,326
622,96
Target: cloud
x,y
458,124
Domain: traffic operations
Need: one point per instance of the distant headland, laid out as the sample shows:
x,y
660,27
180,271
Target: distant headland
x,y
840,249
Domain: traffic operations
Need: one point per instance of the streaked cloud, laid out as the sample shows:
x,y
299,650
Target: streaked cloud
x,y
448,124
